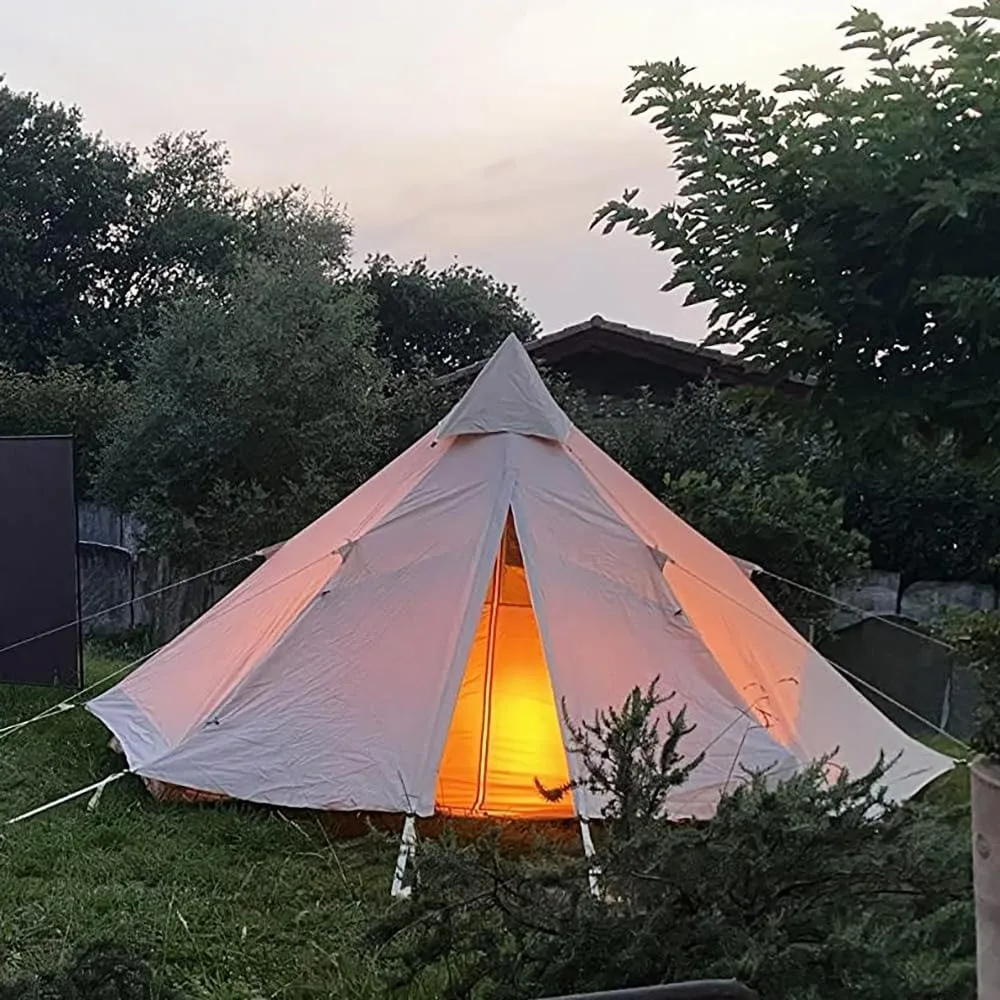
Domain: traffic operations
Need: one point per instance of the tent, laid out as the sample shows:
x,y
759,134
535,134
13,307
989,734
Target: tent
x,y
410,651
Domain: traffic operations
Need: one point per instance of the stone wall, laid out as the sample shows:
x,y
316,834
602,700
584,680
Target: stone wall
x,y
877,645
122,588
882,594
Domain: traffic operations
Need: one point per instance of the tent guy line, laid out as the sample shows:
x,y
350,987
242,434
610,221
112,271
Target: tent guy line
x,y
68,703
98,786
847,673
847,606
126,604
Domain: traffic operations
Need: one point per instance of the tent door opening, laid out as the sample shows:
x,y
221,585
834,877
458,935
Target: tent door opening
x,y
505,738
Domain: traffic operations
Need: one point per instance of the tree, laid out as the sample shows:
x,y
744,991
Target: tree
x,y
627,762
929,514
67,400
847,232
702,428
975,637
257,405
94,237
184,228
803,889
756,488
63,195
444,319
784,523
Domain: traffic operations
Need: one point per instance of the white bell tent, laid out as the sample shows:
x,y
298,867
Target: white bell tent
x,y
410,651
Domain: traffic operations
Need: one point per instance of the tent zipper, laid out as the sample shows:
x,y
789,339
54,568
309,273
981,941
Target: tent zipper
x,y
484,735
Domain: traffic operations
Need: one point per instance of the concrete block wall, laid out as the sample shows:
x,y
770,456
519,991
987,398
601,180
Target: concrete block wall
x,y
124,588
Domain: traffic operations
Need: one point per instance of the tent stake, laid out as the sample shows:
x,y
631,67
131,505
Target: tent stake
x,y
407,848
588,849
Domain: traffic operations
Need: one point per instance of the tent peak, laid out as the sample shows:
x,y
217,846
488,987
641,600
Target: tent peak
x,y
508,395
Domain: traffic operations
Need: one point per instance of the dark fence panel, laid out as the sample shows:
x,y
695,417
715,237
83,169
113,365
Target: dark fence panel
x,y
39,590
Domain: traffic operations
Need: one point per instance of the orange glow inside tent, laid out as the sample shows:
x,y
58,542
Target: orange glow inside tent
x,y
505,738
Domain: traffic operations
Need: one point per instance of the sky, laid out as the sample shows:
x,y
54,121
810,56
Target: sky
x,y
487,131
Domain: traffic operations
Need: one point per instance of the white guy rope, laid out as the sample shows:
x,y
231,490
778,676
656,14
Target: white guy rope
x,y
66,705
789,631
95,787
867,615
125,604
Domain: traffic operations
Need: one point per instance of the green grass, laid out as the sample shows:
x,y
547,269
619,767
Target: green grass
x,y
227,902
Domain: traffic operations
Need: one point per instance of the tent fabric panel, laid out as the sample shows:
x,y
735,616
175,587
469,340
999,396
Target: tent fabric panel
x,y
135,731
180,685
790,687
609,623
507,396
345,711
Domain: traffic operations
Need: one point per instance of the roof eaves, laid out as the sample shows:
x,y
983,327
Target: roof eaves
x,y
598,322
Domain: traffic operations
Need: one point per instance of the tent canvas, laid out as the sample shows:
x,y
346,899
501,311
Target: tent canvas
x,y
412,650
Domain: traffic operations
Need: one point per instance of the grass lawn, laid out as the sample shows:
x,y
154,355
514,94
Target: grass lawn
x,y
229,902
226,902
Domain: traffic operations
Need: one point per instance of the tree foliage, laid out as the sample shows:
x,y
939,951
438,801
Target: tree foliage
x,y
928,513
785,524
756,488
975,637
847,232
793,498
185,226
95,237
441,320
804,889
67,400
62,195
256,405
625,760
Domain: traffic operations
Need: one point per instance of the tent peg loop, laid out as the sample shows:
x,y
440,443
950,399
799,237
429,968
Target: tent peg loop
x,y
407,849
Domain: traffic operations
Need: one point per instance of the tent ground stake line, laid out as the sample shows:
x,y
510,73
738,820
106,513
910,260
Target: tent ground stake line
x,y
96,787
593,875
59,707
407,848
127,604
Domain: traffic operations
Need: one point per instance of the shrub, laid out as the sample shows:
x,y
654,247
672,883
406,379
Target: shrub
x,y
804,889
102,971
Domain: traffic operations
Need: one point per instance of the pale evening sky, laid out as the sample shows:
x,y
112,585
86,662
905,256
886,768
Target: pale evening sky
x,y
487,130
